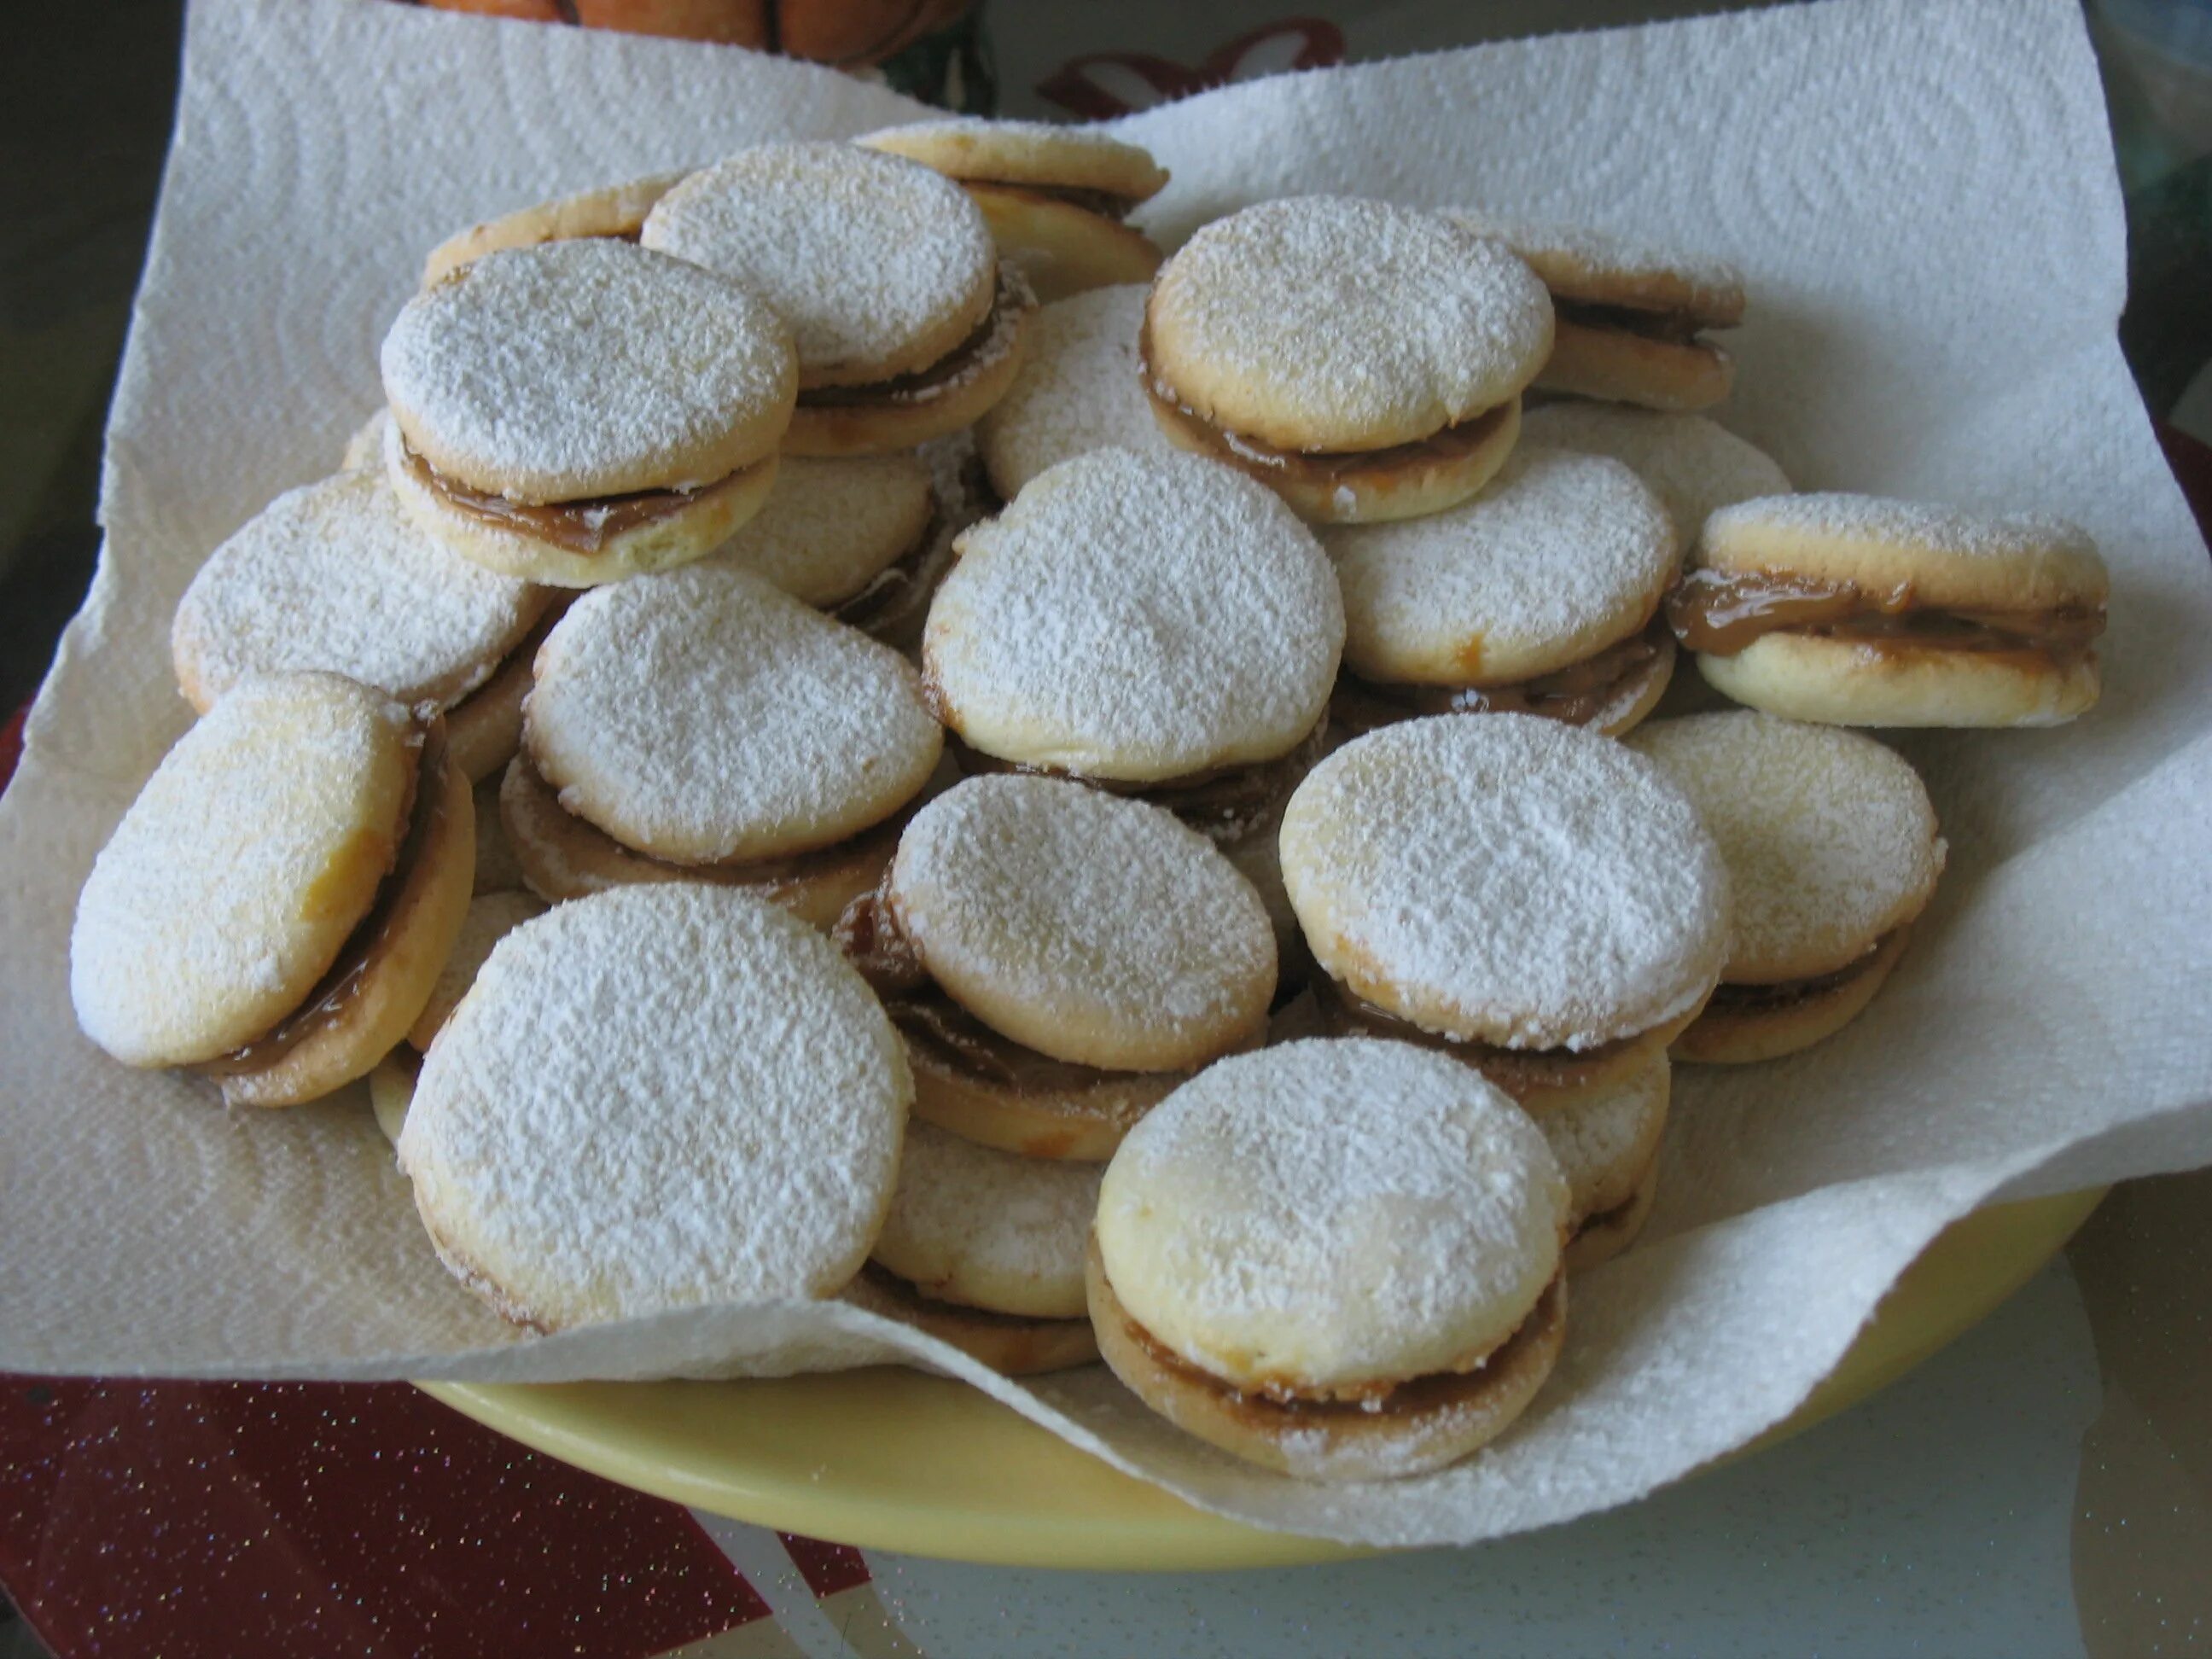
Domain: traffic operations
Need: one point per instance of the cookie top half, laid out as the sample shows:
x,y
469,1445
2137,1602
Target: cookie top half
x,y
1137,618
1330,323
1044,154
587,368
1079,389
879,266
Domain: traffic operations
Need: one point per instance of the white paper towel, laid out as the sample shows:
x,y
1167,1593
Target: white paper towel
x,y
1921,194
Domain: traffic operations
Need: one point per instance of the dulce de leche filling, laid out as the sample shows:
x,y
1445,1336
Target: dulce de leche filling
x,y
1103,203
1579,693
1408,1396
1320,468
989,341
1520,1072
1226,804
340,987
579,526
1783,995
895,596
873,941
1667,327
1720,612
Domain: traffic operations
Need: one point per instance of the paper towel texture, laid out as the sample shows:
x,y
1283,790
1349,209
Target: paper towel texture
x,y
1921,196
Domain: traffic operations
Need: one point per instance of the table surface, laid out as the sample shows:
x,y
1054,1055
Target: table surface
x,y
2043,1487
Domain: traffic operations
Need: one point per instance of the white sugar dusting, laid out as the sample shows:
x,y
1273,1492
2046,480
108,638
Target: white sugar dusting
x,y
702,715
1080,388
1561,555
1602,1139
862,254
1535,884
1146,616
665,1097
1697,465
1829,836
1603,254
1952,530
1087,906
990,1227
1332,1210
582,368
334,575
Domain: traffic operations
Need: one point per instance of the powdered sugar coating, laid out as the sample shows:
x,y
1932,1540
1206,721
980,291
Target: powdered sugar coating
x,y
1605,1140
1040,152
235,876
1331,323
1560,556
1093,928
1138,617
1830,838
704,716
1080,388
334,575
1509,880
1697,465
1951,555
585,369
877,265
1332,1212
1582,263
665,1097
972,1225
830,526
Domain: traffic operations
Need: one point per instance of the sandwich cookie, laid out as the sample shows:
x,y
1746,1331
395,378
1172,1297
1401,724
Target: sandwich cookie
x,y
1150,624
863,537
611,213
274,909
1364,360
1697,465
491,917
583,411
670,1097
1527,895
1054,196
984,1250
1080,388
705,727
334,576
1607,1146
1058,960
1832,852
1541,596
1854,611
1336,1258
908,323
1631,320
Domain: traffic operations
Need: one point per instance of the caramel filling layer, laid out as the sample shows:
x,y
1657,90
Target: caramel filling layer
x,y
1103,203
1577,694
1226,804
1721,613
896,593
873,940
1783,996
581,526
1519,1072
1317,467
988,342
1667,327
1409,1396
340,987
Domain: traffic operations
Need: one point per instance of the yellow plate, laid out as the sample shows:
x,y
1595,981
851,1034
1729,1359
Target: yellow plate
x,y
892,1459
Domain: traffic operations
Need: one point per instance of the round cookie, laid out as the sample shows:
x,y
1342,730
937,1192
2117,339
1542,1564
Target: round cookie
x,y
614,211
1832,848
1696,464
1630,318
704,717
1857,611
1608,1144
1363,360
392,1090
582,411
491,917
1137,618
664,1098
1540,897
1563,557
1611,1232
885,272
984,1229
1080,388
1337,1258
483,729
1011,1344
830,528
334,576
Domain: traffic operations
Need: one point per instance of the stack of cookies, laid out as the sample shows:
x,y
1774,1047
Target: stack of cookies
x,y
1123,829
